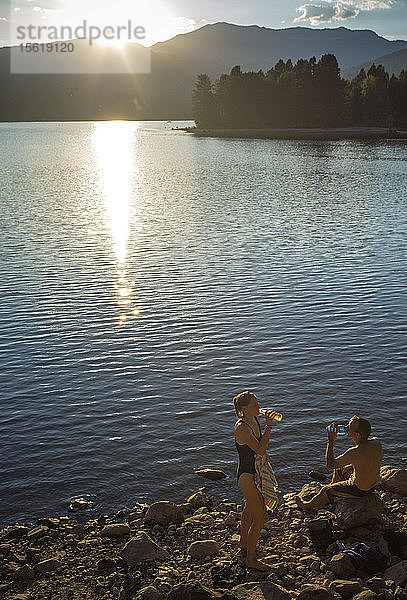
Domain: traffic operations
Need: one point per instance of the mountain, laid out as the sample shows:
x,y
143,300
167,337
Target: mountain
x,y
392,63
166,92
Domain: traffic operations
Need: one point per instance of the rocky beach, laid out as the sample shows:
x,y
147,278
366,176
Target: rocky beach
x,y
190,551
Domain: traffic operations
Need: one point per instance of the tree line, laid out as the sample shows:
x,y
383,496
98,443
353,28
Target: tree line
x,y
310,93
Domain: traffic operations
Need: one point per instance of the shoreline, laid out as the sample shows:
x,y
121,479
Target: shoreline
x,y
165,551
340,133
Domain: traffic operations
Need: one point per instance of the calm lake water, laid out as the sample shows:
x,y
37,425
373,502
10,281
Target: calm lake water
x,y
148,276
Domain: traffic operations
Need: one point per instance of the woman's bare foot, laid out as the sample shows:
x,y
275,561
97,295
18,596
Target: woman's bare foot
x,y
258,565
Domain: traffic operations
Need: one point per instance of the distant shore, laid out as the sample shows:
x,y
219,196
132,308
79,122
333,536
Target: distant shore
x,y
342,133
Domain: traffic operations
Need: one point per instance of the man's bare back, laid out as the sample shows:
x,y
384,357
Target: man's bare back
x,y
366,459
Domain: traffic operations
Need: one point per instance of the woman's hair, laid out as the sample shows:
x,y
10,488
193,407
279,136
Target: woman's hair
x,y
242,400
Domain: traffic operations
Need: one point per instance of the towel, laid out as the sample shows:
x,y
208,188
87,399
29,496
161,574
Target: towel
x,y
266,481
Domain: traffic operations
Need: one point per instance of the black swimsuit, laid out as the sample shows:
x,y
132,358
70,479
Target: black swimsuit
x,y
246,455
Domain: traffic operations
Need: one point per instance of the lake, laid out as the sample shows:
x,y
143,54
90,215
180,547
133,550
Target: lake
x,y
149,276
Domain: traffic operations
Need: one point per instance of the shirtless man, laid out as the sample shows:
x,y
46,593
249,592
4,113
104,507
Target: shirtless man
x,y
356,471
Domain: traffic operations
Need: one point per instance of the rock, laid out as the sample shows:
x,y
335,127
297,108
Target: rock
x,y
4,549
24,573
15,532
309,490
201,549
105,564
141,547
357,512
314,592
213,474
317,476
164,513
115,530
231,518
198,499
360,532
47,566
346,589
394,480
397,573
51,523
149,593
366,595
80,504
260,590
376,584
194,592
201,520
341,565
400,594
37,532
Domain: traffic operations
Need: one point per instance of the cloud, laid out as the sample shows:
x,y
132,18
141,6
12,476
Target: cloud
x,y
184,24
326,12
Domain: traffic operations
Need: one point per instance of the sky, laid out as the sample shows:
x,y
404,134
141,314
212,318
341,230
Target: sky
x,y
162,19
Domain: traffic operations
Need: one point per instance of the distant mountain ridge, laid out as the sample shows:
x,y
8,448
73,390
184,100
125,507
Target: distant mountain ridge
x,y
166,93
393,63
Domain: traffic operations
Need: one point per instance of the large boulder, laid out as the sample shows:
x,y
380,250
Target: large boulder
x,y
141,547
47,566
394,480
260,590
163,513
356,512
397,573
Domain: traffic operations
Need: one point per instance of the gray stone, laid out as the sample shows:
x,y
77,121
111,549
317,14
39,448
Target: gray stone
x,y
47,566
347,589
150,593
141,547
201,549
164,513
260,590
195,591
394,480
314,592
341,565
24,573
356,512
397,573
115,530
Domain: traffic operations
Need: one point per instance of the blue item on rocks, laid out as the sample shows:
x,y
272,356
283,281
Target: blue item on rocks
x,y
363,557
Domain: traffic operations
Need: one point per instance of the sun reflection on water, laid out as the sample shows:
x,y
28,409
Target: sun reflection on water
x,y
113,141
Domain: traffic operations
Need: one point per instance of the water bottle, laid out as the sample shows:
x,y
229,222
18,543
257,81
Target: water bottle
x,y
341,430
277,416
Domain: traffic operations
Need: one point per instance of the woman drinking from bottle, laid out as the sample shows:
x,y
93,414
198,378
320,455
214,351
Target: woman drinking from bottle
x,y
250,441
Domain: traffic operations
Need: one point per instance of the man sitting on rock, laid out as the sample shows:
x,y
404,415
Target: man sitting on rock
x,y
356,471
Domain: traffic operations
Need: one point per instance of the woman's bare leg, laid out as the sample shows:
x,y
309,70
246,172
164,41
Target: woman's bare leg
x,y
256,507
245,522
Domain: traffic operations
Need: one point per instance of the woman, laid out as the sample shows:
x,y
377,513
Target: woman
x,y
249,441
